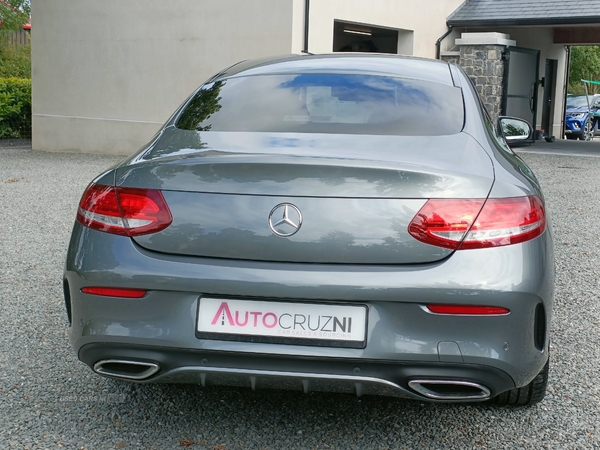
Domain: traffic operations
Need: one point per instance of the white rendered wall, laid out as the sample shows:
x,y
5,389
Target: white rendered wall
x,y
107,74
425,18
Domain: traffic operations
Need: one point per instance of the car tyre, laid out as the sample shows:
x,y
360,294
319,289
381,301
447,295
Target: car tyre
x,y
588,130
531,394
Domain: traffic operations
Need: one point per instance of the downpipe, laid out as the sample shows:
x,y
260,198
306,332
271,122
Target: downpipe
x,y
306,25
438,43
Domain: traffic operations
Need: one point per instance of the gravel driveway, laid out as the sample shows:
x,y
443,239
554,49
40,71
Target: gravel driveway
x,y
49,400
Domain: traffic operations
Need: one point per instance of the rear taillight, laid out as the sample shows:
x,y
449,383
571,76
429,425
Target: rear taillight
x,y
125,211
470,224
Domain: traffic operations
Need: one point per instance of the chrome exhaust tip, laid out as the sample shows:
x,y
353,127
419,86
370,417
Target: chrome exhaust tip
x,y
450,389
127,370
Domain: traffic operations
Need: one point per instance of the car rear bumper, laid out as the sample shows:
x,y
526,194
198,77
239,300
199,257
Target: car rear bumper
x,y
423,381
401,335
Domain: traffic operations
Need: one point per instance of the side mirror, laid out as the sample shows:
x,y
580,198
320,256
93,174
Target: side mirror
x,y
515,131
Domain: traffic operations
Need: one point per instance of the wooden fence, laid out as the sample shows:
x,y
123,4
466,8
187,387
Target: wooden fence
x,y
21,37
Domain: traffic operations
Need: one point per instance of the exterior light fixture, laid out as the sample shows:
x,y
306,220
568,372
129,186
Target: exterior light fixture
x,y
364,33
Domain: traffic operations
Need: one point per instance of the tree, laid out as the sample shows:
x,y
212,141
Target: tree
x,y
15,60
15,71
585,65
13,15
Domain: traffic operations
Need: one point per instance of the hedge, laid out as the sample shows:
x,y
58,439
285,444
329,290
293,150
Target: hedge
x,y
15,108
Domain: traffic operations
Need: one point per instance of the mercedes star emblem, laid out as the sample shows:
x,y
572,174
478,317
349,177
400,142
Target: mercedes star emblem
x,y
285,220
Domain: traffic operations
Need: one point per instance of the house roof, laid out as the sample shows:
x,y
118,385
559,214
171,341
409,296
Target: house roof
x,y
481,13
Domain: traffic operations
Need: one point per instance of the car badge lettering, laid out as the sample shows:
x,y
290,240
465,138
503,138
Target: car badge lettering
x,y
225,317
285,220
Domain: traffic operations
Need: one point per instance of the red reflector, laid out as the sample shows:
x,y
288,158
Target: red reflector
x,y
478,223
124,211
468,310
115,292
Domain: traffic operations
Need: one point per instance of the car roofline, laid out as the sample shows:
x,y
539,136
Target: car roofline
x,y
346,62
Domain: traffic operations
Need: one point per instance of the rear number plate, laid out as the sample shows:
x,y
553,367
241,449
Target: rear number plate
x,y
279,322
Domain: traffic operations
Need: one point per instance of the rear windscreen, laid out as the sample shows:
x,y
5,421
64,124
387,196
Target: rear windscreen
x,y
326,103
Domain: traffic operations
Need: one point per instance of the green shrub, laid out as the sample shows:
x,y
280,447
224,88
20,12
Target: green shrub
x,y
15,61
15,107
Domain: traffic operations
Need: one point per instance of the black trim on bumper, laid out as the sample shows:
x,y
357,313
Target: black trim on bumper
x,y
180,365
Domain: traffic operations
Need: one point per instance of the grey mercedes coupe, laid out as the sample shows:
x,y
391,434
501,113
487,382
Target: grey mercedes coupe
x,y
348,223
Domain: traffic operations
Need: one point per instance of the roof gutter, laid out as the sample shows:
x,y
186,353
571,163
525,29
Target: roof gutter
x,y
550,21
438,43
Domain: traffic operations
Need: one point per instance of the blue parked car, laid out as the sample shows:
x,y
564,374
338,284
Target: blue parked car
x,y
581,121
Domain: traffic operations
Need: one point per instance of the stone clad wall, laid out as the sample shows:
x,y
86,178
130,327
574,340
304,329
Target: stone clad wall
x,y
485,66
451,59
